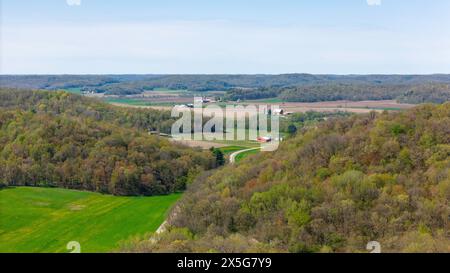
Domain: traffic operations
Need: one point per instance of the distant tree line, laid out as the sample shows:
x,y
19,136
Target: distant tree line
x,y
251,94
435,93
418,93
239,86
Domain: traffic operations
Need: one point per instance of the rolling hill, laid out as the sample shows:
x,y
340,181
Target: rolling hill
x,y
57,139
289,87
332,188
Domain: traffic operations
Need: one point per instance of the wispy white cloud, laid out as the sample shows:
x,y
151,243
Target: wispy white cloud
x,y
73,2
374,2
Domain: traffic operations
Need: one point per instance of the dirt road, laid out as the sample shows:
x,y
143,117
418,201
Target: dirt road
x,y
233,155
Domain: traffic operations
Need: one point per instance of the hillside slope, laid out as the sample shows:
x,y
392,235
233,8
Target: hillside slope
x,y
59,103
55,139
376,177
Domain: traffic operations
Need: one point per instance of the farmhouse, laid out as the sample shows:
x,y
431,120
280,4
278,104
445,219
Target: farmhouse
x,y
264,139
278,112
203,100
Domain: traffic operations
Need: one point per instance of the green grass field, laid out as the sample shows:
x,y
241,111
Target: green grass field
x,y
46,219
243,144
243,155
167,90
74,90
231,149
137,102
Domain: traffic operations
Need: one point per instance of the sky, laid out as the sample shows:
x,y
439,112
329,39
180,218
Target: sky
x,y
224,36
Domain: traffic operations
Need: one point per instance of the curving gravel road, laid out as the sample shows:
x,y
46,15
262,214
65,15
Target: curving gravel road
x,y
233,155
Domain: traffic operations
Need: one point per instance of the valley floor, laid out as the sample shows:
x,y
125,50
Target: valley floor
x,y
358,107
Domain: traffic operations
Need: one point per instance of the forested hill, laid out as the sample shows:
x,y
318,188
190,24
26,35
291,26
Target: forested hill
x,y
61,140
59,102
378,177
206,82
289,87
404,93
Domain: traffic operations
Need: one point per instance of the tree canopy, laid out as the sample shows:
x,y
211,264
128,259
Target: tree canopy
x,y
56,139
332,188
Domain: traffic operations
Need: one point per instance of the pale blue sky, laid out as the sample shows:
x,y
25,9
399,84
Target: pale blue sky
x,y
225,36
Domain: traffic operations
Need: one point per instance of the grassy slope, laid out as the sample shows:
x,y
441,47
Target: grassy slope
x,y
243,155
231,149
45,220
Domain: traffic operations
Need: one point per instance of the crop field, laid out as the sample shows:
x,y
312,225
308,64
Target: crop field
x,y
74,90
137,102
160,97
332,106
46,219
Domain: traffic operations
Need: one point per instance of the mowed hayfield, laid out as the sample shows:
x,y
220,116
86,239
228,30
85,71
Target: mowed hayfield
x,y
46,219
